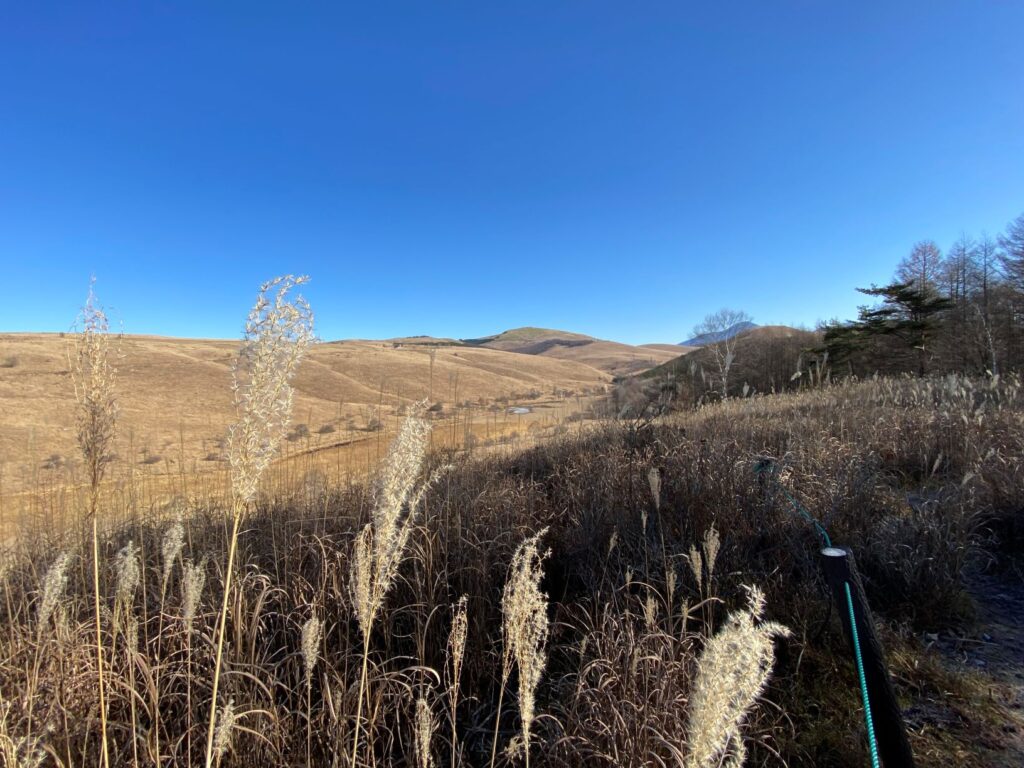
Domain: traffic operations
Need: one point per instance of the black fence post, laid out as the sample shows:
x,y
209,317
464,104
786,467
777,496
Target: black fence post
x,y
887,718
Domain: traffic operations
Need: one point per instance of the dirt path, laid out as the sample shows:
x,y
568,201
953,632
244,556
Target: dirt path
x,y
994,649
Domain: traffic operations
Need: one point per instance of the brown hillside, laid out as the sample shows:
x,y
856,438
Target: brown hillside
x,y
608,356
175,394
675,349
767,357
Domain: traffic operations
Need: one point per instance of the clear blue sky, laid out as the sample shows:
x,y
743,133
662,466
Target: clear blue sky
x,y
458,168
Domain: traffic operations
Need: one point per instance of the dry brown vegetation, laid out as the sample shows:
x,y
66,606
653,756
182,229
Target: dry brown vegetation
x,y
919,477
629,593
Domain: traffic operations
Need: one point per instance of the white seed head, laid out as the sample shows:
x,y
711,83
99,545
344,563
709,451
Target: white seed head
x,y
650,612
732,672
361,584
670,583
525,623
193,580
711,546
380,546
131,632
312,634
126,565
424,733
277,334
93,374
54,583
174,540
225,727
696,566
457,637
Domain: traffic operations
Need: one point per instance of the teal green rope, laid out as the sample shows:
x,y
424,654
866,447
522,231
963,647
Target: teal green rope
x,y
863,681
807,516
769,466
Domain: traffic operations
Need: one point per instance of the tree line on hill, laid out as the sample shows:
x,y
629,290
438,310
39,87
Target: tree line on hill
x,y
960,311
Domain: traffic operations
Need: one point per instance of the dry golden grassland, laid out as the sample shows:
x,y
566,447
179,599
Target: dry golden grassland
x,y
175,406
635,593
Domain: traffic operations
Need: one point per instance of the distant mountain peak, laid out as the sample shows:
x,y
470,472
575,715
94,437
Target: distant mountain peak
x,y
529,334
608,356
716,336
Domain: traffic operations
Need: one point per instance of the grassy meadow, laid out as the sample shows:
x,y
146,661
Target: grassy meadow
x,y
619,593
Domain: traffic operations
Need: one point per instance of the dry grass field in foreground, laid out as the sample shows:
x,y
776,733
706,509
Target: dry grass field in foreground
x,y
578,603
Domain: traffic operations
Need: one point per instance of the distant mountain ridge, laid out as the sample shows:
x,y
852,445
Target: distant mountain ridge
x,y
517,339
714,337
607,356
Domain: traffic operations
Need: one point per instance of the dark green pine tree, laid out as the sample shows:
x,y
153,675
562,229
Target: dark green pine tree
x,y
843,341
906,313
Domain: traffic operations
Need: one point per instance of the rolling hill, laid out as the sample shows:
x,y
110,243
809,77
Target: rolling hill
x,y
175,394
611,357
675,349
767,356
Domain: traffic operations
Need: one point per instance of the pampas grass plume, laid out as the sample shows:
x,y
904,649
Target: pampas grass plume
x,y
424,733
193,579
170,548
732,672
54,583
312,634
525,623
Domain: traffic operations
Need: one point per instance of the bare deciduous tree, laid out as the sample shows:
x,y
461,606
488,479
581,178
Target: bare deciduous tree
x,y
1012,256
722,342
922,268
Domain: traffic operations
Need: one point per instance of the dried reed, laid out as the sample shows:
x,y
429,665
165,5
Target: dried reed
x,y
732,672
93,374
277,334
380,546
525,627
456,654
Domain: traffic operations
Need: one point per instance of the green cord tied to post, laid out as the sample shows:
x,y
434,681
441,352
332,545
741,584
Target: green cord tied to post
x,y
872,744
769,468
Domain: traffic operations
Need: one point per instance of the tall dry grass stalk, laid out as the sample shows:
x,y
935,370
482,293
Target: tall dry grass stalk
x,y
128,573
698,564
525,627
93,374
381,545
278,332
312,636
456,654
193,579
732,672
